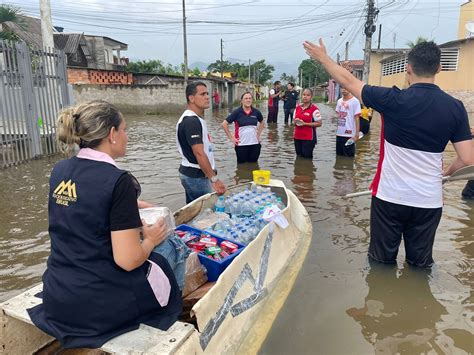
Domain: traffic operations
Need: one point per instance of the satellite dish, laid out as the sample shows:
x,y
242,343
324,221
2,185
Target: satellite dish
x,y
470,28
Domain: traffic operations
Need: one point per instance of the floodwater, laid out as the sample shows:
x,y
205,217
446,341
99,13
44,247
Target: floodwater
x,y
340,304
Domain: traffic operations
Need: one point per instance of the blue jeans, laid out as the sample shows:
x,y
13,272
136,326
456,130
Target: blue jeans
x,y
195,187
176,253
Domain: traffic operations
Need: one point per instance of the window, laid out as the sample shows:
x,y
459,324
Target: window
x,y
449,62
449,59
394,66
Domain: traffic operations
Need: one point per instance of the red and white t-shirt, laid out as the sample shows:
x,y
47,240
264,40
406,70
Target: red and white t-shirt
x,y
346,110
310,114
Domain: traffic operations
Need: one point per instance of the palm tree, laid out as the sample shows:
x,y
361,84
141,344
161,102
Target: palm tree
x,y
10,14
418,41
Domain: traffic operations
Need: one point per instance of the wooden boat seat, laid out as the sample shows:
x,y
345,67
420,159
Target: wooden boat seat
x,y
14,320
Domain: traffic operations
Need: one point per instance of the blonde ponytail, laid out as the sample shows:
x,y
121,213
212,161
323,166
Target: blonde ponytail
x,y
86,125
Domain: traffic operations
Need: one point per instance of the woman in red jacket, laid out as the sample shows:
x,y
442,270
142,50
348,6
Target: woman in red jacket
x,y
307,118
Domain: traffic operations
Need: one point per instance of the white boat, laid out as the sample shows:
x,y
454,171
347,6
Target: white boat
x,y
234,316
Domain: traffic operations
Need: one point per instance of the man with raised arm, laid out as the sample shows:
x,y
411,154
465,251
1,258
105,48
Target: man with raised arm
x,y
417,124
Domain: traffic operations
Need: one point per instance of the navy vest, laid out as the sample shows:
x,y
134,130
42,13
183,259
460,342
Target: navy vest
x,y
87,298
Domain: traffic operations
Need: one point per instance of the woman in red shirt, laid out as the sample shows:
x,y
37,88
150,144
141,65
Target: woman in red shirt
x,y
307,118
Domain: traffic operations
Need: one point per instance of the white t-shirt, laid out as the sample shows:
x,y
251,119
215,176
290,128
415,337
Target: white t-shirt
x,y
346,110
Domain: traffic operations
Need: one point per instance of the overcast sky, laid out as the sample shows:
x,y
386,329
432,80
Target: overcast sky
x,y
251,29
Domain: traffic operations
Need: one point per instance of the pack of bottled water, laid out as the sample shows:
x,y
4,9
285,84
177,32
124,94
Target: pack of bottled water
x,y
244,209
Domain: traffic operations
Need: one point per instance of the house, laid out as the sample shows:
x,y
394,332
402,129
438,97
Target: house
x,y
356,67
76,49
29,32
106,52
376,58
466,20
388,66
85,51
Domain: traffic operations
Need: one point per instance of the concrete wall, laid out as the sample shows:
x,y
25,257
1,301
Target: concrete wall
x,y
136,98
151,98
463,78
466,14
467,98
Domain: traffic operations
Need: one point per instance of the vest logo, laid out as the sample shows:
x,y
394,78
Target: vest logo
x,y
65,192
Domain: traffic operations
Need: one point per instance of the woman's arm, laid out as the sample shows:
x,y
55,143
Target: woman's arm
x,y
144,204
225,125
261,126
312,124
129,252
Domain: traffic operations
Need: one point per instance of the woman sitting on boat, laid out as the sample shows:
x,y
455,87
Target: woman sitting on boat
x,y
248,127
101,279
307,118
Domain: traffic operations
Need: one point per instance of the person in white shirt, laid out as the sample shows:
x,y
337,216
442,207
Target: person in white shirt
x,y
348,125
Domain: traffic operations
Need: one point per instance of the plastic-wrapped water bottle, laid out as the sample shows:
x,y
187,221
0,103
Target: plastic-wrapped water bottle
x,y
246,209
244,236
235,208
227,205
350,141
280,203
220,204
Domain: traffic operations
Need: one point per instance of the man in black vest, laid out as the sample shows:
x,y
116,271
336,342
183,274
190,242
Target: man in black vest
x,y
197,171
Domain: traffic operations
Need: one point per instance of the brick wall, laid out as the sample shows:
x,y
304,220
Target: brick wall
x,y
78,76
100,77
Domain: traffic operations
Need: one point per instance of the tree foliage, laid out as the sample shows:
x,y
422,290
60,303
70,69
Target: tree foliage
x,y
260,72
285,78
419,40
313,73
196,72
13,14
155,66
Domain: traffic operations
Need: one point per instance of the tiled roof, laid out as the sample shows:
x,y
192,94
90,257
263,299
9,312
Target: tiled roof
x,y
30,32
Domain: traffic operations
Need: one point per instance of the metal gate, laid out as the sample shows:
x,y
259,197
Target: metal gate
x,y
33,89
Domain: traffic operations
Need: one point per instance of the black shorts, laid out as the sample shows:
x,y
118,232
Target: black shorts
x,y
342,149
248,153
304,148
390,221
364,125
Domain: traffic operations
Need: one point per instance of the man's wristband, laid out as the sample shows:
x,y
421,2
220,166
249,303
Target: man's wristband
x,y
214,179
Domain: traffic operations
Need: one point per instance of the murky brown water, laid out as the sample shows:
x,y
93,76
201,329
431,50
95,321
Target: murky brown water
x,y
340,304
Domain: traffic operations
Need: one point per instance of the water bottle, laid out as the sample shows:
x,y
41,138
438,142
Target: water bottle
x,y
220,204
235,209
350,141
227,205
247,210
279,203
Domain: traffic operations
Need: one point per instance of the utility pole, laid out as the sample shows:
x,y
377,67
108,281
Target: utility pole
x,y
369,30
185,45
222,59
46,25
346,54
249,74
380,36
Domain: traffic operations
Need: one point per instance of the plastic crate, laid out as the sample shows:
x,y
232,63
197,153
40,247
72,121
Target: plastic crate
x,y
214,267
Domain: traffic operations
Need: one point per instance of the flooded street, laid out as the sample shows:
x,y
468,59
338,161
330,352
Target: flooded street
x,y
340,304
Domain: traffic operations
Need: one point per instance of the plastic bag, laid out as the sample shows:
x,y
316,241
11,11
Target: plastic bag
x,y
195,275
152,214
207,219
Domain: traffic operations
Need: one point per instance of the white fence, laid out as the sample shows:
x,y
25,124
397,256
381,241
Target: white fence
x,y
33,89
